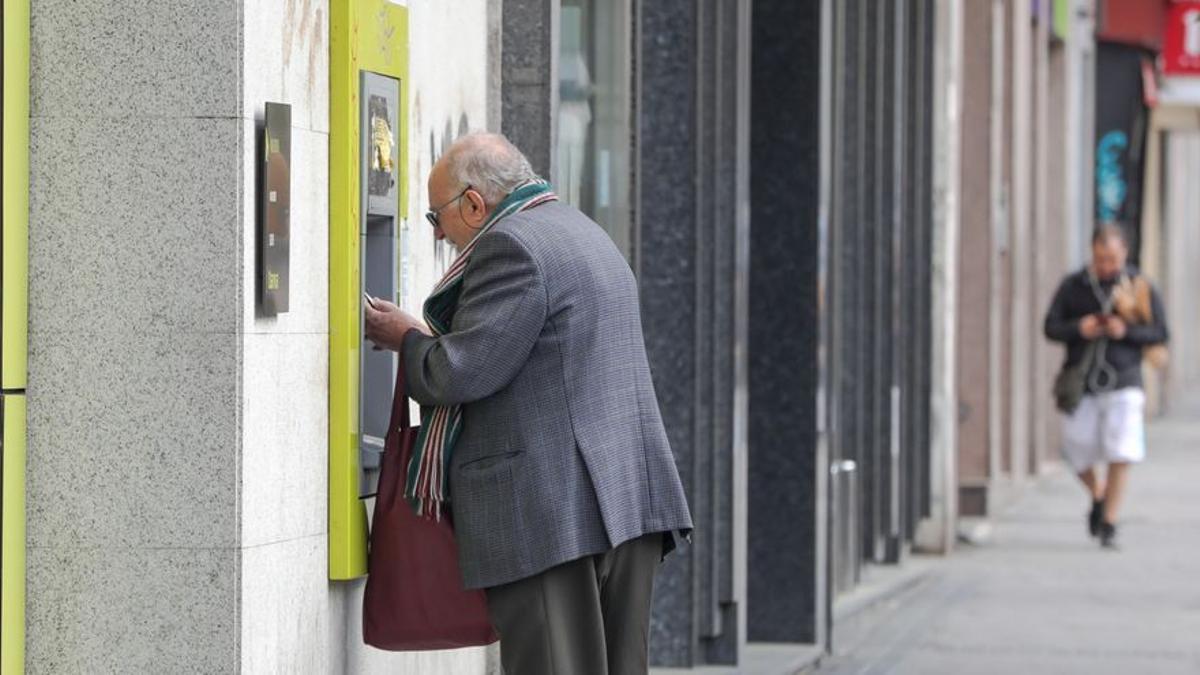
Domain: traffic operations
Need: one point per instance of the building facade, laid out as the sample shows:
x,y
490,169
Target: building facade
x,y
1026,220
846,218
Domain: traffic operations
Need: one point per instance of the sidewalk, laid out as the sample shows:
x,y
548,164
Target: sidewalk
x,y
1041,597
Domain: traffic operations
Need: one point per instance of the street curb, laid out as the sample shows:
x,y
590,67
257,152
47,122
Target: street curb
x,y
890,582
762,658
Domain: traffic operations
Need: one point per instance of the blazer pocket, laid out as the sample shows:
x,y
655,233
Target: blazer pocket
x,y
490,461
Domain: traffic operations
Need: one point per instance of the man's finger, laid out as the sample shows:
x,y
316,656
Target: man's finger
x,y
382,305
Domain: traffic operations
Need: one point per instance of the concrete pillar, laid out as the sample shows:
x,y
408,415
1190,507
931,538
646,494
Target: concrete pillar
x,y
1046,245
937,532
1003,143
1021,217
999,165
1060,228
529,79
136,332
787,468
1078,118
975,264
1180,212
670,251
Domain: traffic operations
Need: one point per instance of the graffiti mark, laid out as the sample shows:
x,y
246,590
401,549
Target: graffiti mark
x,y
443,253
1111,187
387,30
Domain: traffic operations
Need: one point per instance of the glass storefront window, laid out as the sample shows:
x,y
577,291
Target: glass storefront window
x,y
593,144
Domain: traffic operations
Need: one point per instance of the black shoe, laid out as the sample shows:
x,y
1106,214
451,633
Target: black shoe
x,y
1096,517
1108,535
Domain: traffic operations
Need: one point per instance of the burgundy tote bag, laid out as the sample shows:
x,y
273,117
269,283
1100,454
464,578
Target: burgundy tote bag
x,y
414,598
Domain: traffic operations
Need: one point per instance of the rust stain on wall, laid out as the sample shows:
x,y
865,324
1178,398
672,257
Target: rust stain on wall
x,y
303,30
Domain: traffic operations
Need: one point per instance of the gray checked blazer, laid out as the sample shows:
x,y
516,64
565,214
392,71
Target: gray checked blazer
x,y
563,452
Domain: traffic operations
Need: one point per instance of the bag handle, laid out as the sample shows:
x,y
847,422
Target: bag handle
x,y
400,417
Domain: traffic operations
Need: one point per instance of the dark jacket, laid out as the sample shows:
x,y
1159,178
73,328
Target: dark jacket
x,y
1076,299
563,453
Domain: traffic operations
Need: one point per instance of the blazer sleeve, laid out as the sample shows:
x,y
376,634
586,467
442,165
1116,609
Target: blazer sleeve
x,y
1058,326
501,312
1152,333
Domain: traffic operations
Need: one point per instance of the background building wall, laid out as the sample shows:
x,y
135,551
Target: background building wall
x,y
1037,240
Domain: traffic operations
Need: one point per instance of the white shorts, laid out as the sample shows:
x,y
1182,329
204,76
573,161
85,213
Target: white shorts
x,y
1107,427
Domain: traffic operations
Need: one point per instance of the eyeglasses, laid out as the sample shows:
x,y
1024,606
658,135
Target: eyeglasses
x,y
432,214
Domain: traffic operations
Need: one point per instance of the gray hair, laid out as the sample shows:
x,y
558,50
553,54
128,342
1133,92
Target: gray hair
x,y
490,164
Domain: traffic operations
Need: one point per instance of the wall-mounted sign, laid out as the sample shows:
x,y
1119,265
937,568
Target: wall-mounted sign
x,y
1181,44
275,216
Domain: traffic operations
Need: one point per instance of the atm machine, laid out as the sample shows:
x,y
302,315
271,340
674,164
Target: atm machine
x,y
379,101
14,172
367,202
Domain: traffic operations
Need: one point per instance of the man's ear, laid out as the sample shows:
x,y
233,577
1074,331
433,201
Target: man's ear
x,y
478,206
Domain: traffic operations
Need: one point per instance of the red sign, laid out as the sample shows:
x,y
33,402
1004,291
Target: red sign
x,y
1181,46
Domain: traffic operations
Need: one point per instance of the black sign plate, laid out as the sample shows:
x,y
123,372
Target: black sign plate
x,y
275,215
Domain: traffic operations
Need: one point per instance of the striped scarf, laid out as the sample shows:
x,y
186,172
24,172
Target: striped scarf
x,y
427,486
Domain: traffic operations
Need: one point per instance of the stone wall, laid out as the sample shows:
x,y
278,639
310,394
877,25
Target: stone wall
x,y
135,337
178,440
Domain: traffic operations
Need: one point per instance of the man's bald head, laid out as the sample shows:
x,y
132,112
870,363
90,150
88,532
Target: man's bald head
x,y
487,162
477,172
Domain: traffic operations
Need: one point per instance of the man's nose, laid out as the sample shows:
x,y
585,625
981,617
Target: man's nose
x,y
438,234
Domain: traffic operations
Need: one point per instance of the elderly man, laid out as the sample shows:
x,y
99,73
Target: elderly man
x,y
537,399
1103,419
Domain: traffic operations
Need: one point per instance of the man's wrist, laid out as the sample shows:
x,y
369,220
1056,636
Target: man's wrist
x,y
409,333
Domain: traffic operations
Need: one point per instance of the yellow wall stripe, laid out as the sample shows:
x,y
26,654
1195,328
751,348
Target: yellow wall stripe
x,y
14,320
15,317
363,35
12,553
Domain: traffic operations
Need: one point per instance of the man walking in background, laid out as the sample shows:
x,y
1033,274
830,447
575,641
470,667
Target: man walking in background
x,y
1107,315
536,397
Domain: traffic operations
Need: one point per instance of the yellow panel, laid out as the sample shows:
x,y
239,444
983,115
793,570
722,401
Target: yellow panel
x,y
14,318
363,35
15,315
12,548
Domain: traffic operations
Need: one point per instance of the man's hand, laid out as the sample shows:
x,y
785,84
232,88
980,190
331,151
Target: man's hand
x,y
1114,327
385,324
1090,327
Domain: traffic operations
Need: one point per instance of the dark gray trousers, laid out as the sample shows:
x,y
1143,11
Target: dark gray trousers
x,y
587,617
